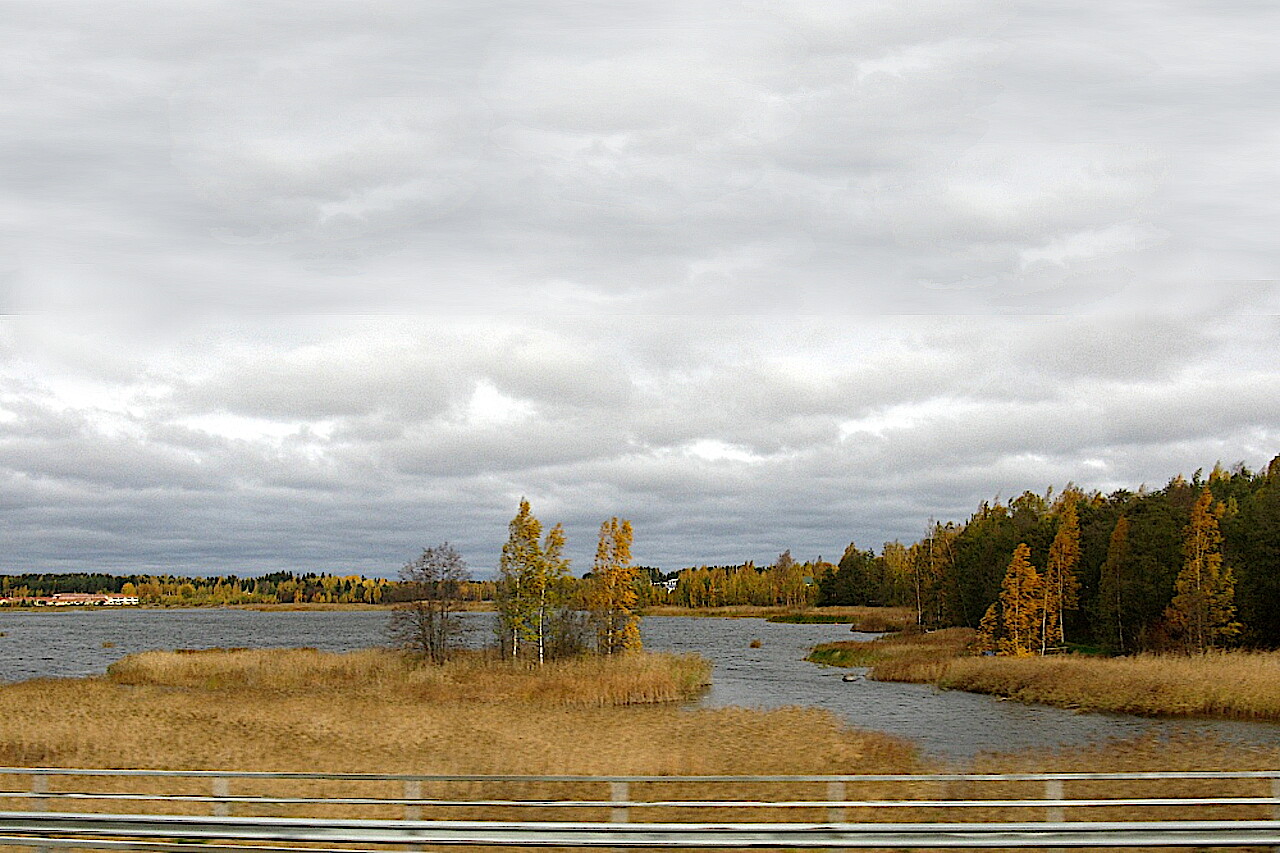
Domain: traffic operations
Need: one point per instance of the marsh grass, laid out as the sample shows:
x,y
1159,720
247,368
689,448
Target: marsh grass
x,y
302,710
478,677
912,657
868,619
1230,684
1225,684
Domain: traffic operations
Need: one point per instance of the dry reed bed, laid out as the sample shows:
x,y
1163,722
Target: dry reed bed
x,y
1226,684
377,712
315,713
873,619
582,682
1235,684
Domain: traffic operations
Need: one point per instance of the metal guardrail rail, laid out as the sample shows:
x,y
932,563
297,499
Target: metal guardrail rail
x,y
145,832
1254,795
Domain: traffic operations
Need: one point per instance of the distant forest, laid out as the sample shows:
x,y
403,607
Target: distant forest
x,y
1139,555
1142,570
275,588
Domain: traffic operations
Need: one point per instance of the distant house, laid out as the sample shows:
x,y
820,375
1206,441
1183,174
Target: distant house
x,y
75,599
668,585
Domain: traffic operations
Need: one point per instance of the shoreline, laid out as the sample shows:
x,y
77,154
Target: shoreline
x,y
1238,686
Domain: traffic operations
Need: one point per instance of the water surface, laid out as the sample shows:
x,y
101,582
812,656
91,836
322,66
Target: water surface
x,y
946,724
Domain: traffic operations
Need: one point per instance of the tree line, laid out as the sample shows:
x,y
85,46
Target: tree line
x,y
175,591
1193,565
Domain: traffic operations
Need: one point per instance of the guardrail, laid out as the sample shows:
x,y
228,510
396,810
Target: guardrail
x,y
1218,808
140,832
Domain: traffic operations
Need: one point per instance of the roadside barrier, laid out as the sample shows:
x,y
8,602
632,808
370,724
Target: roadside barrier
x,y
92,809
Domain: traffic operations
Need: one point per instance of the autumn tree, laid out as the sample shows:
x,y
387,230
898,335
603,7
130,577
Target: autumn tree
x,y
534,589
1059,587
559,628
1011,626
520,561
1203,610
613,593
429,622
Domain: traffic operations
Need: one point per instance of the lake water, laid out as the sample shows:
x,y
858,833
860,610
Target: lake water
x,y
946,724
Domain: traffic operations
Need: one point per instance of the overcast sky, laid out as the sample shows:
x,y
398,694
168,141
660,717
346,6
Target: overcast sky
x,y
313,285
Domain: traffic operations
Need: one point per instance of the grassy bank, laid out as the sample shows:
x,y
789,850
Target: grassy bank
x,y
311,606
380,712
919,658
1232,685
637,679
377,712
871,619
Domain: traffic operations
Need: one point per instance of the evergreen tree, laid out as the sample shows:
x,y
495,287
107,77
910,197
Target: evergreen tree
x,y
1112,589
1059,587
1203,610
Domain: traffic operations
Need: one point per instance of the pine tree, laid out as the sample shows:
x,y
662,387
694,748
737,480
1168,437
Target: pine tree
x,y
1112,584
1059,587
1203,609
613,595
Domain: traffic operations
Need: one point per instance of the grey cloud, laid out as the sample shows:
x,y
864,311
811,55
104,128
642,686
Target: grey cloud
x,y
590,244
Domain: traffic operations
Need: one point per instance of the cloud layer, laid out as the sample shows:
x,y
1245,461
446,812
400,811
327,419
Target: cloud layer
x,y
313,285
344,445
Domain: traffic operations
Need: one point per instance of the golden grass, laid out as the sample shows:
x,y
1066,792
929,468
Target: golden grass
x,y
918,658
737,611
368,712
380,711
318,606
1226,684
1232,684
581,682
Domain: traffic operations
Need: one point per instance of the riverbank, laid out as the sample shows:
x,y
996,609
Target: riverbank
x,y
1234,685
872,620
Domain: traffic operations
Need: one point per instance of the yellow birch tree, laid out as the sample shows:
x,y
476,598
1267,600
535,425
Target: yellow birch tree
x,y
518,569
613,595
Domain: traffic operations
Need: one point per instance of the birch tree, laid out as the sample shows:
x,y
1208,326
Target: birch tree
x,y
613,593
518,569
